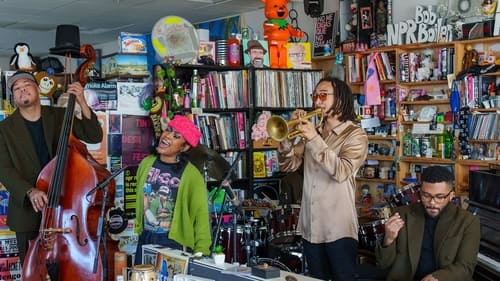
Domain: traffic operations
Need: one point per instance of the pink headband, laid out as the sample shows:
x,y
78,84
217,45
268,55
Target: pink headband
x,y
186,128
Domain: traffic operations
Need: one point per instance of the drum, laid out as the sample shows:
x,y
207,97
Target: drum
x,y
227,242
142,272
256,236
293,259
370,233
283,224
407,195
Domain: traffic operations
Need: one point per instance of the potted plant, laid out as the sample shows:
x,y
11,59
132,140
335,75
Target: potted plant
x,y
218,255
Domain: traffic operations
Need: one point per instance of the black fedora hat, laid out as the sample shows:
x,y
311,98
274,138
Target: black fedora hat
x,y
67,41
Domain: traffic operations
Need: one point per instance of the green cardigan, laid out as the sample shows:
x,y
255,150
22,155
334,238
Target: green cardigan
x,y
190,225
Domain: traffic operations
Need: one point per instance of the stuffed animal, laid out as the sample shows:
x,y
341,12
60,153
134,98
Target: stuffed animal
x,y
22,60
277,31
47,83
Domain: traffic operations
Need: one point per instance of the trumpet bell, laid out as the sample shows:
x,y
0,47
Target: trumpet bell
x,y
277,128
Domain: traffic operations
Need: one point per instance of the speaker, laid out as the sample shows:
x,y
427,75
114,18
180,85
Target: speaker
x,y
313,8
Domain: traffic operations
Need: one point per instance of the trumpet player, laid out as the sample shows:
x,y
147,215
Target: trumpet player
x,y
332,154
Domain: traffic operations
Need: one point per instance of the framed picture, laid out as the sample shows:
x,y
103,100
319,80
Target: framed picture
x,y
299,55
255,53
366,18
207,50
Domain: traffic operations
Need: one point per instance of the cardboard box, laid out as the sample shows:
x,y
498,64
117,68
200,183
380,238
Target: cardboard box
x,y
122,64
133,43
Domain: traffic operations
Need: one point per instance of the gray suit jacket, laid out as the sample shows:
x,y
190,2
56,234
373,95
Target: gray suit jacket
x,y
19,164
456,245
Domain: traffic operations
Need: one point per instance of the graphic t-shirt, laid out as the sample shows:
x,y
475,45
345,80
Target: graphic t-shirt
x,y
160,193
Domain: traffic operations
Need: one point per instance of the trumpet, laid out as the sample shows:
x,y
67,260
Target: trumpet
x,y
279,129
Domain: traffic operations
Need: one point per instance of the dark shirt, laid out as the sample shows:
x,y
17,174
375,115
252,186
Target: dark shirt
x,y
36,131
427,262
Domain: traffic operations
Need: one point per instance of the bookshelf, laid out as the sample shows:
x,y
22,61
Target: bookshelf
x,y
227,125
411,82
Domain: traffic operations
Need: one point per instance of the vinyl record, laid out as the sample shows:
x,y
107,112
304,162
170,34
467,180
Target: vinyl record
x,y
173,36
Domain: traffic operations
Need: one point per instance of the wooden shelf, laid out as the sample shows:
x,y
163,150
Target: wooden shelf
x,y
425,102
375,137
381,157
495,109
376,180
481,163
427,160
423,83
483,141
422,122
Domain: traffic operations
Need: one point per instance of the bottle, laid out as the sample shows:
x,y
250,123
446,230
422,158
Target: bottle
x,y
415,146
194,89
407,142
448,143
440,145
233,54
387,107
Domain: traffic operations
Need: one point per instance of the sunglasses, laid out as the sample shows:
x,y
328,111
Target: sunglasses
x,y
321,96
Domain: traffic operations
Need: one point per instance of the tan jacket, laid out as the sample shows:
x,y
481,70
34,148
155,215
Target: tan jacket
x,y
328,211
456,244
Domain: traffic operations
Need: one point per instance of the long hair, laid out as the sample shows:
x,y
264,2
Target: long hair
x,y
343,104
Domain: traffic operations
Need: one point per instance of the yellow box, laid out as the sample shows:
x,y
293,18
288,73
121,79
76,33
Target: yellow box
x,y
259,164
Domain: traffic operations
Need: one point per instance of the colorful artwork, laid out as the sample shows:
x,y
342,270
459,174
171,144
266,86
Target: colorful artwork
x,y
255,53
299,55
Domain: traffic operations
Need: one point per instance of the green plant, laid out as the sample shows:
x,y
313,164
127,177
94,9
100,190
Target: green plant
x,y
219,249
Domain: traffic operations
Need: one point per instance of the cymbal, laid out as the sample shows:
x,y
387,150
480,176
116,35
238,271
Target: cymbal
x,y
203,157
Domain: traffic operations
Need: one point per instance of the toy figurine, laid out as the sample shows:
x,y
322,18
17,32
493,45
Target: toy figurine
x,y
22,60
277,31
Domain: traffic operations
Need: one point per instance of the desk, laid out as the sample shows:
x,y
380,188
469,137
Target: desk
x,y
204,267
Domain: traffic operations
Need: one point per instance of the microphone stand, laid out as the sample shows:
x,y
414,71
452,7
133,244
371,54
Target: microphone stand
x,y
100,226
219,218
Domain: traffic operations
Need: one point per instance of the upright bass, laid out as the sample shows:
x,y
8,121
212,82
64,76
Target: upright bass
x,y
66,247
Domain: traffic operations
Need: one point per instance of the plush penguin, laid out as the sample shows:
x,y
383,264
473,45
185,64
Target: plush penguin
x,y
22,60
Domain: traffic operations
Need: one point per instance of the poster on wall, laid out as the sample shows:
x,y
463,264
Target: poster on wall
x,y
131,97
98,150
137,136
324,35
366,24
101,95
129,187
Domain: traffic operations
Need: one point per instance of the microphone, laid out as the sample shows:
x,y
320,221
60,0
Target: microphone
x,y
229,191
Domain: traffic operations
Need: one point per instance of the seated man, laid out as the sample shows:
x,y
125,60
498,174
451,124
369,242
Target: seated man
x,y
431,240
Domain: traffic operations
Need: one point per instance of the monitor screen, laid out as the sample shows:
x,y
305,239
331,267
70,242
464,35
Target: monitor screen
x,y
484,188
